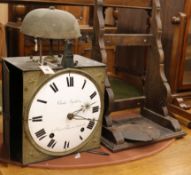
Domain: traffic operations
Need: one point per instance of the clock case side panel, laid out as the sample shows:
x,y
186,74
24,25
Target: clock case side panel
x,y
98,74
12,112
6,111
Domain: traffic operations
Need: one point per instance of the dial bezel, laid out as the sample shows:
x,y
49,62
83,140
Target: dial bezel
x,y
83,143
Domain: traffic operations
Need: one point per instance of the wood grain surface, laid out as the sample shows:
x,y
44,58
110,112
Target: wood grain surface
x,y
175,160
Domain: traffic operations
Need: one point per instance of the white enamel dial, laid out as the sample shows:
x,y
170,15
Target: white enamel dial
x,y
64,113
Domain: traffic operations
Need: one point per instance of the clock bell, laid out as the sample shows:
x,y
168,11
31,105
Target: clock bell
x,y
52,105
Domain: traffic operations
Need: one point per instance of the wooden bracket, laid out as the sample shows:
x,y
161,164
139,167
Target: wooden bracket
x,y
121,134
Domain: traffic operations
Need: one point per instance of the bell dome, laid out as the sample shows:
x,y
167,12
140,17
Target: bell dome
x,y
50,24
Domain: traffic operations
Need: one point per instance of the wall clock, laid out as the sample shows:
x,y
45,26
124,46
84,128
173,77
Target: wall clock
x,y
51,115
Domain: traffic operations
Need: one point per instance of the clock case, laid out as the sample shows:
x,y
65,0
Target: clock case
x,y
21,79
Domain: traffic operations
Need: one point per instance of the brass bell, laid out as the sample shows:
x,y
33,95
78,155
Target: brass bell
x,y
50,24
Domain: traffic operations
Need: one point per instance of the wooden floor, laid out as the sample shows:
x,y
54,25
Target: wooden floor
x,y
175,160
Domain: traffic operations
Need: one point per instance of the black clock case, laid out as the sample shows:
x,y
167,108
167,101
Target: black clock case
x,y
17,147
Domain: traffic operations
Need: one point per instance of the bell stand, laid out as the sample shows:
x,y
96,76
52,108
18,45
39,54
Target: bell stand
x,y
154,122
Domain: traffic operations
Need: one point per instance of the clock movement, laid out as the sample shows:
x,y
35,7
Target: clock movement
x,y
52,105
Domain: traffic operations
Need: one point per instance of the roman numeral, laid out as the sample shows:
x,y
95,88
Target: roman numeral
x,y
54,87
95,109
37,119
91,124
52,143
41,101
81,138
70,81
93,95
84,84
41,134
66,144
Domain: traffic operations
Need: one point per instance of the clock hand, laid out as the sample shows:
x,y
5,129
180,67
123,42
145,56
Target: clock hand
x,y
92,103
71,116
83,108
77,111
78,117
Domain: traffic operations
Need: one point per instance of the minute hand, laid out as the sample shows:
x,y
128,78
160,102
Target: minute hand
x,y
78,117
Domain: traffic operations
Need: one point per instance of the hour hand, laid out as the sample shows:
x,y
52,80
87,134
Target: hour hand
x,y
77,111
83,108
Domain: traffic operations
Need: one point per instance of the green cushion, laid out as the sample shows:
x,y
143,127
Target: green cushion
x,y
123,89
